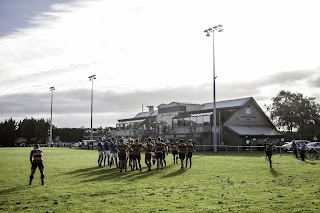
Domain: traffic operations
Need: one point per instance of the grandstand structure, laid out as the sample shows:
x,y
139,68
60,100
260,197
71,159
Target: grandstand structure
x,y
240,122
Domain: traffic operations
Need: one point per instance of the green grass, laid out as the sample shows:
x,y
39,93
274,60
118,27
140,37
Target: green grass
x,y
215,183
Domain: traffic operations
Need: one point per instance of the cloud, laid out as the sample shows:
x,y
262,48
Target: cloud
x,y
17,14
72,107
141,57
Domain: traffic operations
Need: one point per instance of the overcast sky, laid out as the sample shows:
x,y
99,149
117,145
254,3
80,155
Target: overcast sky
x,y
150,52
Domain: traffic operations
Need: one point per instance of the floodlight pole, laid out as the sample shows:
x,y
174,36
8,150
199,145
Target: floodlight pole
x,y
91,79
208,31
50,138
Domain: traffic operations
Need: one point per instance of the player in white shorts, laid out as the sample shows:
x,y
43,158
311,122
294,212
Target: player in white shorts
x,y
113,152
100,153
107,151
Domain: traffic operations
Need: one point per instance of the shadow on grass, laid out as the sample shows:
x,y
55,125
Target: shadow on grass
x,y
13,190
312,163
81,171
106,173
274,172
172,174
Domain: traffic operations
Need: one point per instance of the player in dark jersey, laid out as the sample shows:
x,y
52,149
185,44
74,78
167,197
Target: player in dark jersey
x,y
159,147
36,160
107,151
100,153
137,148
130,154
269,148
189,153
148,153
122,149
113,152
174,151
295,149
164,152
153,153
182,148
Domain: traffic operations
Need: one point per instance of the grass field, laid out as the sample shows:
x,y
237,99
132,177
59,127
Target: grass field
x,y
215,183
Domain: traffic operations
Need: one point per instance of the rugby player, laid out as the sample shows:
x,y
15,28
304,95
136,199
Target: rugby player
x,y
148,153
189,152
100,153
182,148
165,151
153,152
36,160
107,151
159,147
137,148
122,149
174,151
269,148
113,152
131,154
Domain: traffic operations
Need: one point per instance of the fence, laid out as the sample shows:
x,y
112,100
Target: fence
x,y
238,149
41,145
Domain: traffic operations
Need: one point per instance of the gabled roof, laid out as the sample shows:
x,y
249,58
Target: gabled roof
x,y
207,108
146,114
235,103
140,117
264,131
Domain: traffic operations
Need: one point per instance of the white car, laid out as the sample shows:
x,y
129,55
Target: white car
x,y
288,145
76,144
313,145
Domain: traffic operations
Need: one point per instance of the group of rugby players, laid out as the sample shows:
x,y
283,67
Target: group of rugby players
x,y
122,153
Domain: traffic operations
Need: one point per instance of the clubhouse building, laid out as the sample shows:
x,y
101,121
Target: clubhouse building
x,y
240,122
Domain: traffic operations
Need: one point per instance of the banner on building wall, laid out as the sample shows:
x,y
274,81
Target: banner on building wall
x,y
247,118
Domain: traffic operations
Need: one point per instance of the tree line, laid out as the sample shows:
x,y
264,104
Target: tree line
x,y
34,131
295,115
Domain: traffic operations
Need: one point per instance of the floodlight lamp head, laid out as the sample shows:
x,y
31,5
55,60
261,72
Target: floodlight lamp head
x,y
220,25
208,35
52,88
92,77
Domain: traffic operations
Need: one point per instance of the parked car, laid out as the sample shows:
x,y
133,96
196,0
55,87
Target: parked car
x,y
287,146
313,145
77,144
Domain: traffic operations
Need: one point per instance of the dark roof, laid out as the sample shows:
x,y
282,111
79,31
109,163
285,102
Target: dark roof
x,y
253,131
235,103
208,107
131,120
146,114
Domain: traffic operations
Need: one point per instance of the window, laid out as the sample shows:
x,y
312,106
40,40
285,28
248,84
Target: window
x,y
193,121
186,121
206,120
174,122
200,120
180,122
248,110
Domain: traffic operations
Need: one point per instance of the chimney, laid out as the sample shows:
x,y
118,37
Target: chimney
x,y
151,110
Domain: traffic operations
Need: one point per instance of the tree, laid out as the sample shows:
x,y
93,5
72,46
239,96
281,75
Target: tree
x,y
69,134
295,112
41,130
27,129
8,132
